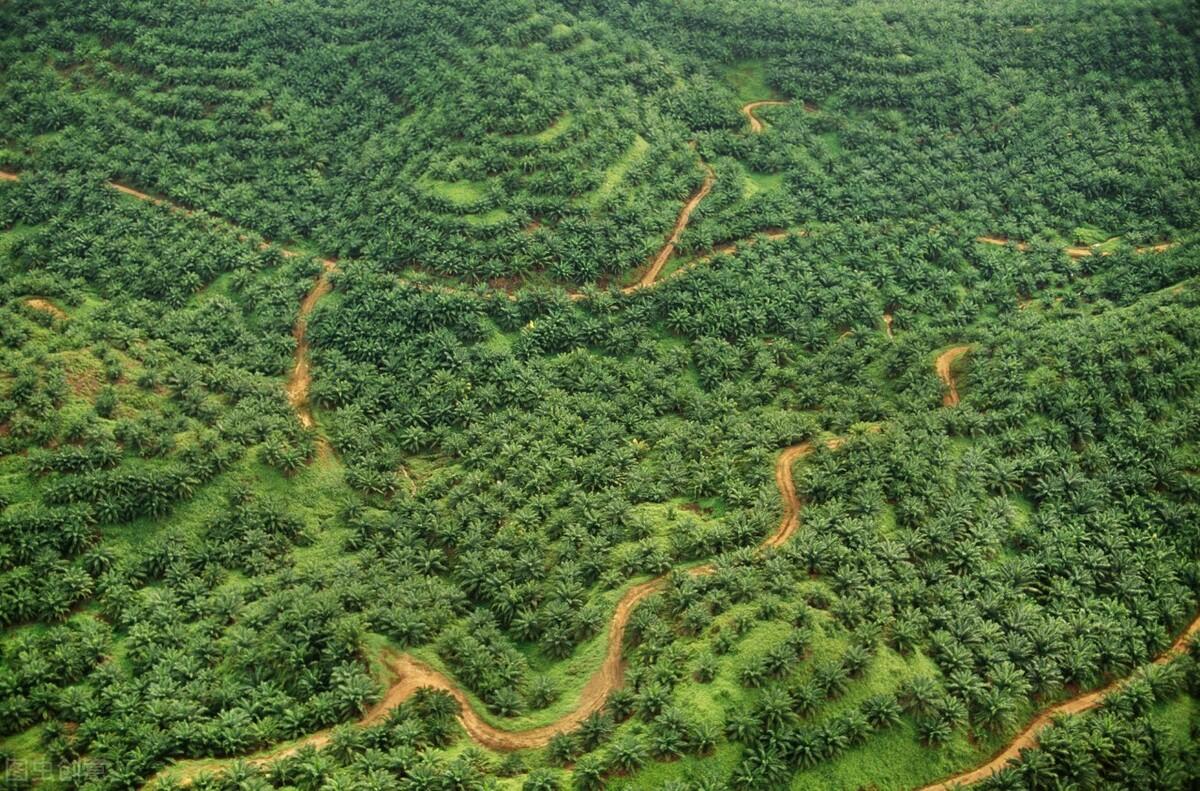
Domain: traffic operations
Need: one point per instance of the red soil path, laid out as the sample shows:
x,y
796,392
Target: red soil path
x,y
1075,251
301,377
1028,737
943,363
410,674
748,110
681,222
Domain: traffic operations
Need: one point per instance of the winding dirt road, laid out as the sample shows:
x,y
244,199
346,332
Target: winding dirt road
x,y
1028,737
748,109
301,377
943,363
410,674
728,248
1074,251
685,215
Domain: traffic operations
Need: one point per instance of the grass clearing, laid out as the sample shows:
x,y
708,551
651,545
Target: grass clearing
x,y
749,81
461,193
656,774
560,127
761,182
832,143
488,218
1089,235
616,171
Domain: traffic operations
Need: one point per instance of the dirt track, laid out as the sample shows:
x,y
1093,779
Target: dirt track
x,y
749,108
1028,737
681,222
6,176
944,361
301,378
1074,251
729,248
410,674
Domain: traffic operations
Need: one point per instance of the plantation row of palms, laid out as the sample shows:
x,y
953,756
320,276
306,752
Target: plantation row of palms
x,y
187,573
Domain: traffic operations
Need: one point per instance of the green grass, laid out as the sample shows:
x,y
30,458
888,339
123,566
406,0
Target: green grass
x,y
1177,716
617,170
1088,235
656,774
749,81
461,193
891,759
488,218
561,126
832,143
23,746
13,235
761,182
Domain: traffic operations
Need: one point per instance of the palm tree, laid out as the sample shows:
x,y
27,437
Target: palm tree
x,y
627,753
996,709
594,730
762,766
589,773
562,749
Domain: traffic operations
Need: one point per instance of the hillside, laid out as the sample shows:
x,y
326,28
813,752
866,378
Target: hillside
x,y
686,394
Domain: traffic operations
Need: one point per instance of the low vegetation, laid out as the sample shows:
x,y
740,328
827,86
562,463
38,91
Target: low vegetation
x,y
592,395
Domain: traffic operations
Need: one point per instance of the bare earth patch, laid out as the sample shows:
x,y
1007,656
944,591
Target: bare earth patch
x,y
944,361
46,307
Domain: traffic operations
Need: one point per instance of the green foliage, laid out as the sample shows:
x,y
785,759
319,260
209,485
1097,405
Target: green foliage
x,y
191,572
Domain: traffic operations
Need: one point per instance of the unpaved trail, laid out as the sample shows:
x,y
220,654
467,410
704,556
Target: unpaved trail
x,y
887,324
1076,251
410,674
729,248
301,377
1029,736
6,176
787,490
681,222
748,109
145,196
45,306
944,361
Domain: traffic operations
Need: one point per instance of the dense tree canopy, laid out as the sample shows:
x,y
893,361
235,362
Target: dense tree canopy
x,y
230,498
